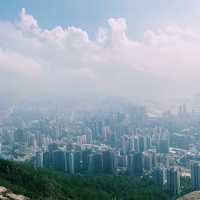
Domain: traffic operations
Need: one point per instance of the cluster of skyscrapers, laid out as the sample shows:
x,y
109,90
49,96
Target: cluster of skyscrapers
x,y
125,143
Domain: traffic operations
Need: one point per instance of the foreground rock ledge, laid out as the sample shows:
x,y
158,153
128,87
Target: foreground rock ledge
x,y
191,196
6,194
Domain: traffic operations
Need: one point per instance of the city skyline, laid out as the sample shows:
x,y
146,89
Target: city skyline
x,y
99,99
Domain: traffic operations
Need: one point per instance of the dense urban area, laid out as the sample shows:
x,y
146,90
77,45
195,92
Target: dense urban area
x,y
99,100
120,140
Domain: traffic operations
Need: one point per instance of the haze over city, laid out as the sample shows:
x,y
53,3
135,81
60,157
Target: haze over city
x,y
99,100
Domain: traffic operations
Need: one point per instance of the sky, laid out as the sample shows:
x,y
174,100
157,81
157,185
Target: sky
x,y
76,48
90,14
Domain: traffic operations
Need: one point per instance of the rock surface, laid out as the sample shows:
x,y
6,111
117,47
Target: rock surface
x,y
6,194
191,196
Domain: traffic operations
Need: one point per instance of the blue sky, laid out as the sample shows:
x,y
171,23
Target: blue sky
x,y
146,48
90,14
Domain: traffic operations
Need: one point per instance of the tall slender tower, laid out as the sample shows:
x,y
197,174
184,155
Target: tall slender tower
x,y
173,180
195,174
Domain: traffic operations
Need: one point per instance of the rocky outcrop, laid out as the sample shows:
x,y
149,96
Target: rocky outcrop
x,y
6,194
191,196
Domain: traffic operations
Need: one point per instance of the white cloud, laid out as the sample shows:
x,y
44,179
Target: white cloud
x,y
68,61
28,23
11,62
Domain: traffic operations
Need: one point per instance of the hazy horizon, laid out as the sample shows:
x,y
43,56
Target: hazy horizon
x,y
99,99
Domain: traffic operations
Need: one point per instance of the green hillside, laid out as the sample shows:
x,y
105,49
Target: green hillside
x,y
48,185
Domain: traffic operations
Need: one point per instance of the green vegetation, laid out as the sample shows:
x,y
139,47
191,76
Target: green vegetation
x,y
48,185
186,185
